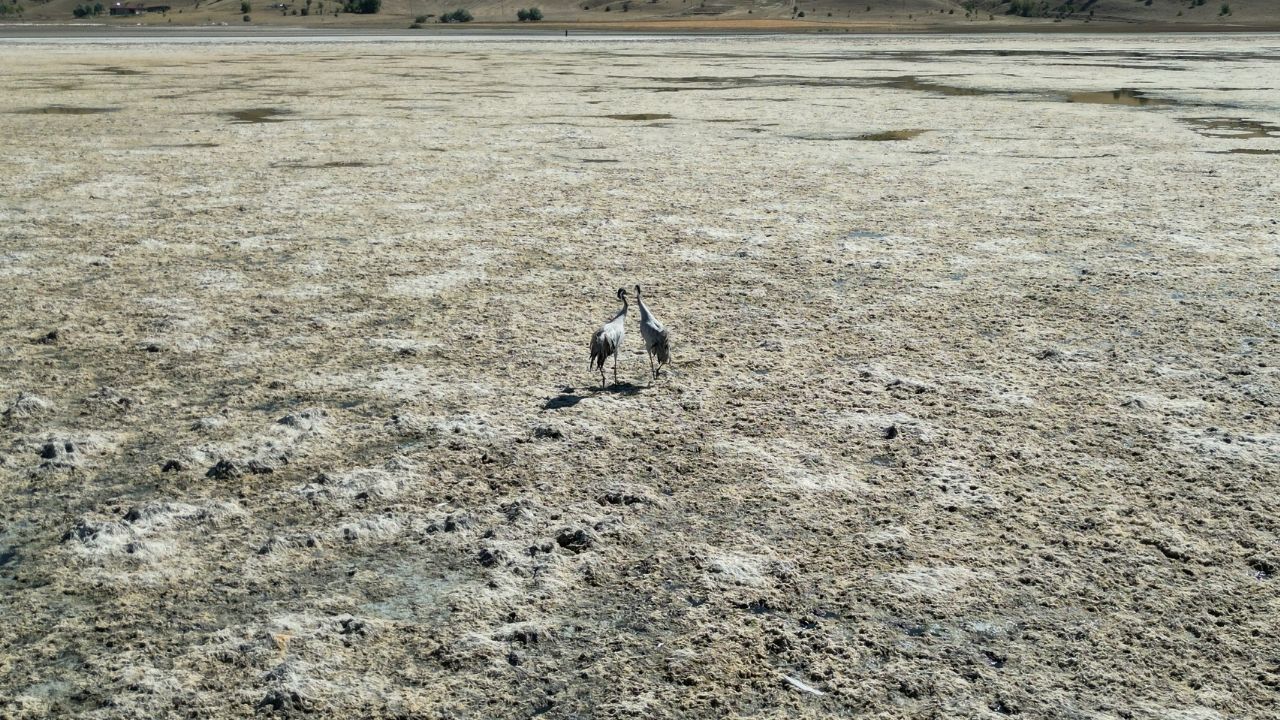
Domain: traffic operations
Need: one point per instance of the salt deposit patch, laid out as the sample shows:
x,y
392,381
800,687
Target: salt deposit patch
x,y
148,533
470,267
917,580
386,482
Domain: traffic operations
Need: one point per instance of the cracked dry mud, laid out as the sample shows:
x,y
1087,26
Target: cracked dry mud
x,y
975,419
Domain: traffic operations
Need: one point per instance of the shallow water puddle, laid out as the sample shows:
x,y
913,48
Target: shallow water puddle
x,y
251,116
1244,151
324,165
1123,96
641,116
890,135
1232,128
911,82
884,136
66,110
116,70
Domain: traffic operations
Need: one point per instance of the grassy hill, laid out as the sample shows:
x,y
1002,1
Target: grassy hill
x,y
900,15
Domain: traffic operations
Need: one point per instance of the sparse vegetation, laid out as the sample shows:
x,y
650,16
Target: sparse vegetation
x,y
1025,8
461,15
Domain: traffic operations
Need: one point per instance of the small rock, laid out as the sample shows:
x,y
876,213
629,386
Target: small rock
x,y
25,406
224,470
304,420
173,466
575,541
891,432
547,432
620,498
285,701
274,544
49,338
352,626
258,467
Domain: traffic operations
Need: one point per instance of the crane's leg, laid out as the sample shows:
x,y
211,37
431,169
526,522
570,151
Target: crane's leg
x,y
652,371
615,367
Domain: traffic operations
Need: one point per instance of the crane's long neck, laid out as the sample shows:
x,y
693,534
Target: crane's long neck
x,y
623,311
644,311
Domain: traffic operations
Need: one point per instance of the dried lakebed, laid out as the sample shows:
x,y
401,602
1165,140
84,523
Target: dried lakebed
x,y
973,409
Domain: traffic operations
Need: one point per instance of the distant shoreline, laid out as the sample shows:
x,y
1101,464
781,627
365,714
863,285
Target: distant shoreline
x,y
54,30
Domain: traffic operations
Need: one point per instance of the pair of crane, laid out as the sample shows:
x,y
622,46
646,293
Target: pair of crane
x,y
607,341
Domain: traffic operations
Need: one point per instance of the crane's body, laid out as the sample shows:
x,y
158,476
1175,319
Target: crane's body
x,y
607,340
655,337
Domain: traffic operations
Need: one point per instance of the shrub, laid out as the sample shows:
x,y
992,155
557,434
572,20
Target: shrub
x,y
80,11
244,7
420,19
461,15
1225,9
246,18
535,14
363,7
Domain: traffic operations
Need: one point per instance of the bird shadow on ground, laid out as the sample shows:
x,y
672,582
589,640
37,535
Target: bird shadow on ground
x,y
624,388
562,400
569,398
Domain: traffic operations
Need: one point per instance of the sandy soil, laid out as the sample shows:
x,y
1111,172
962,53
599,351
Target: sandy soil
x,y
295,414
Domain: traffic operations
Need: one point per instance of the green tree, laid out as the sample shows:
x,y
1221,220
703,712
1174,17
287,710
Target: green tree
x,y
244,7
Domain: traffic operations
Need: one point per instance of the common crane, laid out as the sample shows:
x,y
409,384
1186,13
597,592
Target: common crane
x,y
608,339
655,337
